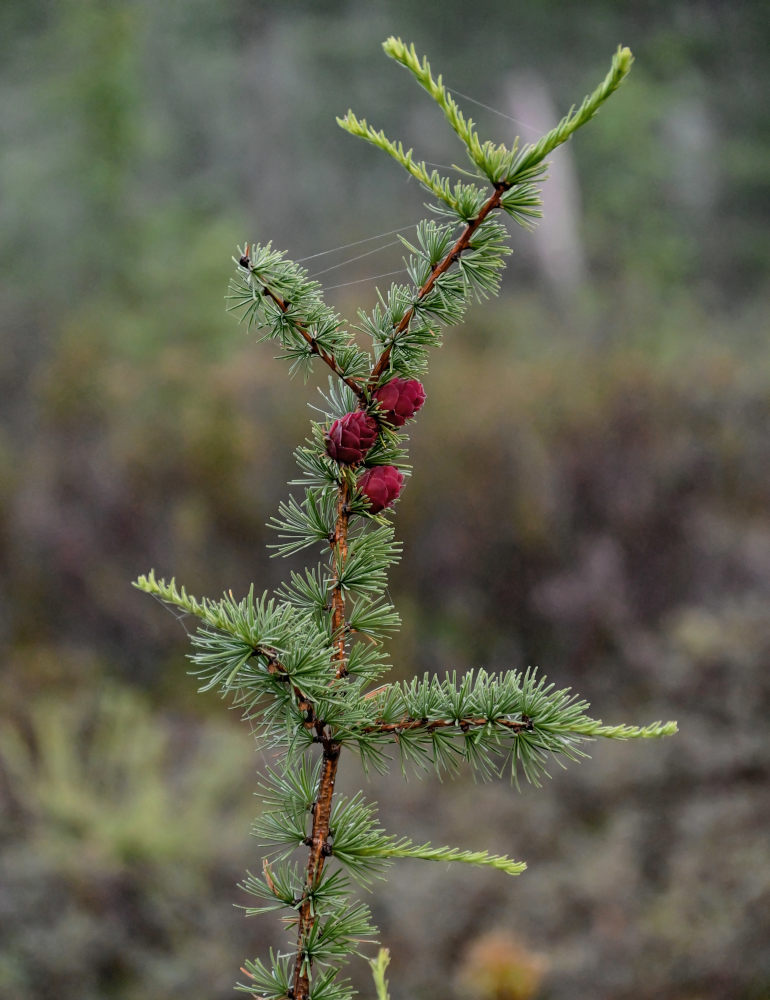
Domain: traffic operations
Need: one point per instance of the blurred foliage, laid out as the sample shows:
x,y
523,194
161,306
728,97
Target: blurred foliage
x,y
76,774
602,509
120,828
498,967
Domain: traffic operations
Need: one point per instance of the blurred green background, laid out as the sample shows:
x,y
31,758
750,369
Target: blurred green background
x,y
591,489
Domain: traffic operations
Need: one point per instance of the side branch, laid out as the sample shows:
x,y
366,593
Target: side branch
x,y
582,727
523,725
305,705
303,331
462,243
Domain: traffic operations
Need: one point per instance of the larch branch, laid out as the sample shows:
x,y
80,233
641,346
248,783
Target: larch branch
x,y
461,244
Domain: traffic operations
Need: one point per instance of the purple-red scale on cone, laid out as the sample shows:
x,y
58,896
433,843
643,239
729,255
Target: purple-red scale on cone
x,y
381,485
350,437
399,399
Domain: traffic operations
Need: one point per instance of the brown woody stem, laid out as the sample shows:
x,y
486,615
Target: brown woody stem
x,y
318,852
324,355
318,840
523,725
462,243
319,836
275,667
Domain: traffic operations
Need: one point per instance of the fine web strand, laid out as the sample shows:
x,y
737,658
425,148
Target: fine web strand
x,y
356,243
502,114
360,256
446,166
374,277
177,613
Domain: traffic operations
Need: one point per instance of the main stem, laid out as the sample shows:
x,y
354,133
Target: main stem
x,y
318,841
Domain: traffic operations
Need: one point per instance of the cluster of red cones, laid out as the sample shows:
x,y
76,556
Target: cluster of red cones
x,y
351,437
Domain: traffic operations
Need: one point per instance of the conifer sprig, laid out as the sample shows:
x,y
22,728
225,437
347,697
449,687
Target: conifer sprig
x,y
275,294
531,156
303,665
431,180
493,722
483,156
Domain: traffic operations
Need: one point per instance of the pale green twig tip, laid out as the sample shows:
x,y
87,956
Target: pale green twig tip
x,y
378,966
623,59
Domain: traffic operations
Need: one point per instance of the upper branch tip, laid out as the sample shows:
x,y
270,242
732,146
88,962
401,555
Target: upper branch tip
x,y
624,57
